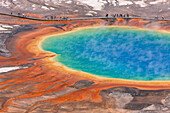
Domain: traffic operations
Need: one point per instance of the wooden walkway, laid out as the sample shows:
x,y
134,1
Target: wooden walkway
x,y
83,18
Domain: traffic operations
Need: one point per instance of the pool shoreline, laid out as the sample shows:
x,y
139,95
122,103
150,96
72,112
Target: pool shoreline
x,y
47,86
91,76
109,29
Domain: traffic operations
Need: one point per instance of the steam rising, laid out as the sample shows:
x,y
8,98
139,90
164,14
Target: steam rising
x,y
115,52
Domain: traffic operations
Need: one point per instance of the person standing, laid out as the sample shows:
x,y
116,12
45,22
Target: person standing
x,y
163,18
156,17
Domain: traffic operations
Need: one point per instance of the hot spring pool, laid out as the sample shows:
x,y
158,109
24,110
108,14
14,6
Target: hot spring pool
x,y
114,52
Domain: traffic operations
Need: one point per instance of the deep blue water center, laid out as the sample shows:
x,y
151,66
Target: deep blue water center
x,y
114,52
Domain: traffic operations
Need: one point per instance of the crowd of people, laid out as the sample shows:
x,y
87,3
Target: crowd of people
x,y
55,17
119,15
22,14
127,16
47,17
156,17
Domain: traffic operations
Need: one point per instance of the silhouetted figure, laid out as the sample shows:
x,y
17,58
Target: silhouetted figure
x,y
163,18
120,15
117,15
114,15
107,15
156,17
127,15
11,13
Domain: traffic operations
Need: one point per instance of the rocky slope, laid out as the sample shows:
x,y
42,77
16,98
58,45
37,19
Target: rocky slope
x,y
145,8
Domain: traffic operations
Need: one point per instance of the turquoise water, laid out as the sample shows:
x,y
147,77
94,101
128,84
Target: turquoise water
x,y
114,52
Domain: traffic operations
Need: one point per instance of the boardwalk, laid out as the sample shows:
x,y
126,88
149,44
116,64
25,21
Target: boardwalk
x,y
83,18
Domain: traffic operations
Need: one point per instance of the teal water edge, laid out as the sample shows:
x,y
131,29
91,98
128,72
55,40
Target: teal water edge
x,y
114,52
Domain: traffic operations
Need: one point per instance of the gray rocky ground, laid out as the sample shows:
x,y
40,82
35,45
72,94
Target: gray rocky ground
x,y
146,8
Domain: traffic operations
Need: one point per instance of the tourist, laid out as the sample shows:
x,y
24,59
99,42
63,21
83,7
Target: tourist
x,y
156,17
107,15
163,18
127,15
117,15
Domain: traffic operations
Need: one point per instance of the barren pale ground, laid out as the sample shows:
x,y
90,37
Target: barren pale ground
x,y
146,8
